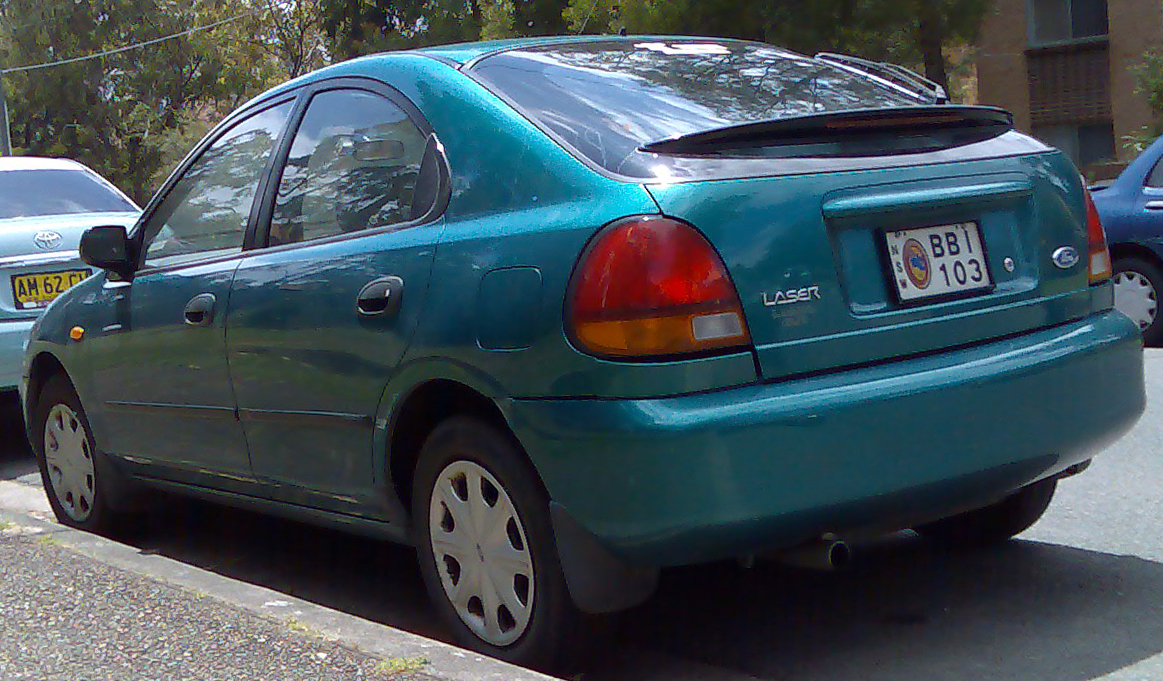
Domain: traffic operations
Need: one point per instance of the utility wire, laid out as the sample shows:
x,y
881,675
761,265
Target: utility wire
x,y
127,48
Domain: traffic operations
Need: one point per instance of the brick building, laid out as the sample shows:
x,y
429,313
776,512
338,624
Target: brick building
x,y
1065,68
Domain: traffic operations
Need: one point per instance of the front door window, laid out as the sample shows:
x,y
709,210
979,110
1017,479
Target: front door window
x,y
207,211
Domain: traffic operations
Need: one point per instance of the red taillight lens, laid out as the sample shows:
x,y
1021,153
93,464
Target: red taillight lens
x,y
1099,258
653,286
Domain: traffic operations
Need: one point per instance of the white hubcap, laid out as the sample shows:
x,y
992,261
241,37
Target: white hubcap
x,y
69,462
481,553
1135,297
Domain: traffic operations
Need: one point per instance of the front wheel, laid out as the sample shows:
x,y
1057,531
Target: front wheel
x,y
486,549
997,523
78,480
1137,284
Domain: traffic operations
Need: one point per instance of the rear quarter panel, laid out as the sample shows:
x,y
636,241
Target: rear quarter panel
x,y
521,211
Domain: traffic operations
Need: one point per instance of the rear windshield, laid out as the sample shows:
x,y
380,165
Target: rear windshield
x,y
606,99
32,193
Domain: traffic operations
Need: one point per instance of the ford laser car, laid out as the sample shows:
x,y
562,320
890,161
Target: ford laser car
x,y
565,312
45,205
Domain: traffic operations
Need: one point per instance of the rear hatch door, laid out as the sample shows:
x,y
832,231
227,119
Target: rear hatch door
x,y
853,266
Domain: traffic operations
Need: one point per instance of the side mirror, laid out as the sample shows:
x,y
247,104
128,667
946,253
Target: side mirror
x,y
107,247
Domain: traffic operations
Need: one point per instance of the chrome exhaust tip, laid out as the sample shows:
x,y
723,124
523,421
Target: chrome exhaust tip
x,y
825,553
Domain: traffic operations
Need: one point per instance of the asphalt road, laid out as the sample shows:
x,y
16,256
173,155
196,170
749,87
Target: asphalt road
x,y
1076,598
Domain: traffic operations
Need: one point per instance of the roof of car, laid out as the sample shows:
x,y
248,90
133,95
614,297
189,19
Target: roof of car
x,y
37,163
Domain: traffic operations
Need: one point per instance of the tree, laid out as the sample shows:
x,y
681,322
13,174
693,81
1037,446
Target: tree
x,y
297,35
124,114
1150,85
908,31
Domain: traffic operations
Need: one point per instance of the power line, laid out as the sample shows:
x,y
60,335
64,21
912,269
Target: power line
x,y
127,48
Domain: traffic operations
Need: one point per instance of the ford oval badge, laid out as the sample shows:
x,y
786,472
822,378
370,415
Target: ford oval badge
x,y
1065,257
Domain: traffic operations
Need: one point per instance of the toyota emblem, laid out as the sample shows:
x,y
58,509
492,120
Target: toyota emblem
x,y
46,241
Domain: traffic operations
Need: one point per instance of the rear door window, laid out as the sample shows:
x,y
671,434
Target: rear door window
x,y
1155,178
354,165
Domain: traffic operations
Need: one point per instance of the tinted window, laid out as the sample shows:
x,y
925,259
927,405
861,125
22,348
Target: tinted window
x,y
1084,144
353,166
1155,179
606,99
206,211
29,193
1060,20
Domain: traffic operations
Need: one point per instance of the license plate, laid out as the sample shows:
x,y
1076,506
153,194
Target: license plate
x,y
932,262
38,290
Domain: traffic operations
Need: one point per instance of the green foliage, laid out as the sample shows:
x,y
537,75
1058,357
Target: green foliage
x,y
357,27
906,31
122,113
1150,84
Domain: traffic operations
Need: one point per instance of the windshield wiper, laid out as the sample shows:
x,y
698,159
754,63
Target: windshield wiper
x,y
962,125
898,76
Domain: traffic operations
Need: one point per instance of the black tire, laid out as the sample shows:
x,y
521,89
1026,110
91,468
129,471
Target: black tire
x,y
557,633
997,523
97,508
1133,270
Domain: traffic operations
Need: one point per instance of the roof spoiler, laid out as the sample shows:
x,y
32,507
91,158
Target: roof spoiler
x,y
972,123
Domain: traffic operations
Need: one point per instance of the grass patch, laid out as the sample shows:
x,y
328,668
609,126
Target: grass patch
x,y
398,665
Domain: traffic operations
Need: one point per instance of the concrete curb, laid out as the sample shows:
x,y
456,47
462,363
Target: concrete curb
x,y
444,661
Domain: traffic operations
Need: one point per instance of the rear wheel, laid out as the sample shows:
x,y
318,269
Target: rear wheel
x,y
486,549
1138,283
997,523
78,480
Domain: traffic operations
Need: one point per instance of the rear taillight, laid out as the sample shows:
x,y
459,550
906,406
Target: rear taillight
x,y
651,286
1099,258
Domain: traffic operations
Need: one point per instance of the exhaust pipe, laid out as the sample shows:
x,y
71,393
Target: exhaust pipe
x,y
825,553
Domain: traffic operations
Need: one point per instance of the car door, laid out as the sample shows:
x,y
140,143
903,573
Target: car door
x,y
318,320
161,370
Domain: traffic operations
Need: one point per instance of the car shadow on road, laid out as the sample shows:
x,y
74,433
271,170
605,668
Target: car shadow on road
x,y
905,610
376,580
909,610
15,455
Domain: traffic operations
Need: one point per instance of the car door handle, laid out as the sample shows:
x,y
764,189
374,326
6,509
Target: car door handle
x,y
381,297
1154,205
200,310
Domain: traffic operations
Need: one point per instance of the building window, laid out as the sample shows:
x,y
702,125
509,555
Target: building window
x,y
1055,21
1085,144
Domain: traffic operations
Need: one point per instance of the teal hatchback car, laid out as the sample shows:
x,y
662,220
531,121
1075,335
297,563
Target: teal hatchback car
x,y
564,312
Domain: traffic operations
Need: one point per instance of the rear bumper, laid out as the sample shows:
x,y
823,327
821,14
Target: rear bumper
x,y
13,338
695,478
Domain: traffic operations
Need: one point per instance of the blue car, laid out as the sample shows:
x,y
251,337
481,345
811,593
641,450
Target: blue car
x,y
1132,211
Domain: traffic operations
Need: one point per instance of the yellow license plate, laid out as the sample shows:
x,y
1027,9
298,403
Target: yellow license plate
x,y
38,290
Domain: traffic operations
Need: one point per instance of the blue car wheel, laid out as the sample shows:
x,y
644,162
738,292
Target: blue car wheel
x,y
1137,285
